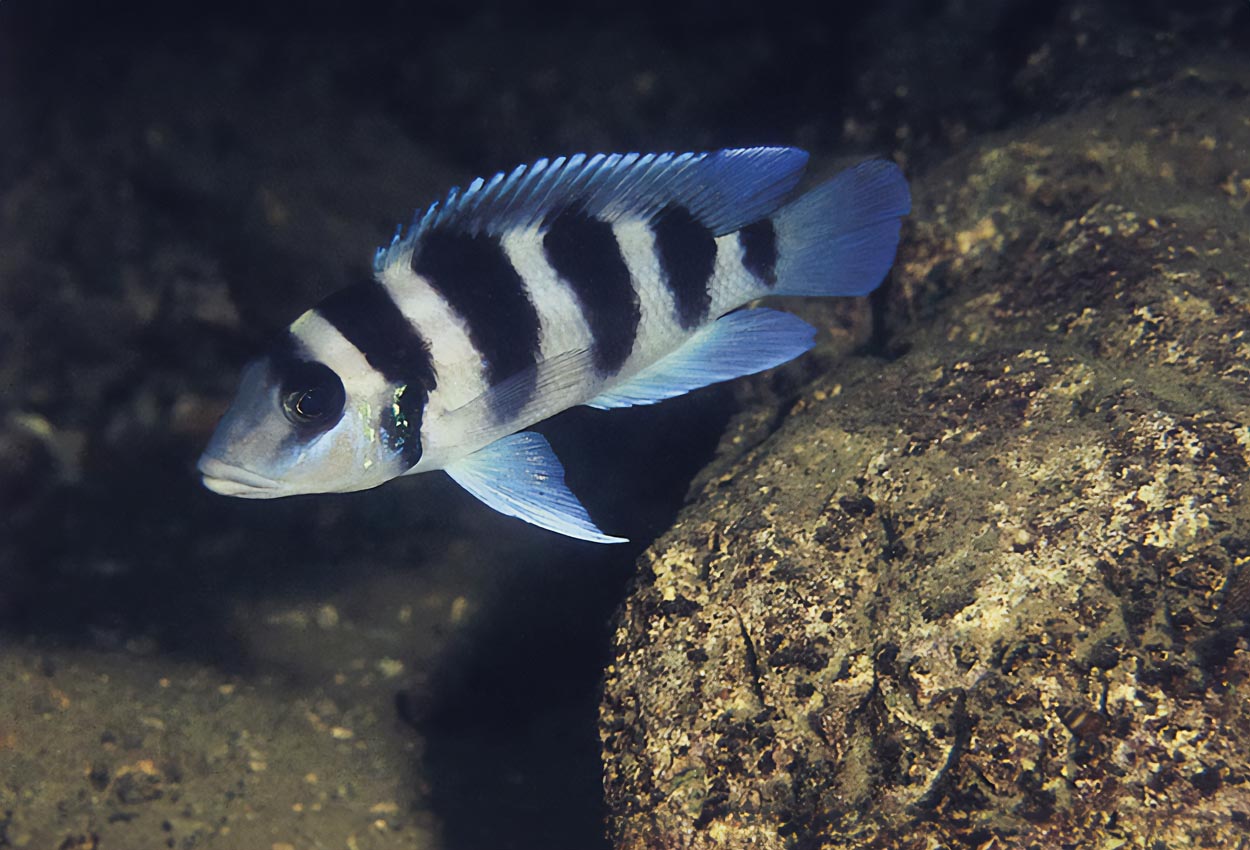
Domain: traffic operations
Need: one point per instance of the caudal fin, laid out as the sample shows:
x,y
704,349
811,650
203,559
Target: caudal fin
x,y
840,238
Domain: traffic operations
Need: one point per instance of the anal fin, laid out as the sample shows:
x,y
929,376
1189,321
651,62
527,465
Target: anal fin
x,y
738,344
520,476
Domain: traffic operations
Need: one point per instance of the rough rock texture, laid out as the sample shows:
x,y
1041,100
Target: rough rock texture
x,y
993,592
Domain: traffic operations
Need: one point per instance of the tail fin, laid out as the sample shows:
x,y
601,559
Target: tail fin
x,y
840,238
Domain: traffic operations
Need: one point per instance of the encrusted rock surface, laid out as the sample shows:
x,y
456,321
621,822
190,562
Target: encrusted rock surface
x,y
992,592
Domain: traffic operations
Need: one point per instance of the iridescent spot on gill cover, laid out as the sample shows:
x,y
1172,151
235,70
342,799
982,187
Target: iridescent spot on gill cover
x,y
585,254
687,253
474,275
401,424
759,251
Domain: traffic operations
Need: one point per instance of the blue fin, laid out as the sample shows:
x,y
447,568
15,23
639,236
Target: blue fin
x,y
724,190
840,238
740,343
520,476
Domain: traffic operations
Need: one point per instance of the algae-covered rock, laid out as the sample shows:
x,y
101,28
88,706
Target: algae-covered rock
x,y
993,592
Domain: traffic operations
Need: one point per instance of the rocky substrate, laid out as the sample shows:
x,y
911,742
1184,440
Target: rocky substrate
x,y
992,591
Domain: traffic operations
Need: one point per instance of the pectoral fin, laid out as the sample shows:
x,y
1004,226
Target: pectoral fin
x,y
738,344
521,477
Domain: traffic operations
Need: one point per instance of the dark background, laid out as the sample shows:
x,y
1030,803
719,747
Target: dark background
x,y
177,180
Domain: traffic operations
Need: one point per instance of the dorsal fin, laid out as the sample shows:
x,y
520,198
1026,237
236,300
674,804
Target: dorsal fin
x,y
724,190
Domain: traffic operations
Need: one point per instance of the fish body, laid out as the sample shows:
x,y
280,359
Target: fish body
x,y
606,281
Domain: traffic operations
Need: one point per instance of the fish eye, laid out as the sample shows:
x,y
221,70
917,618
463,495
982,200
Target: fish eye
x,y
312,394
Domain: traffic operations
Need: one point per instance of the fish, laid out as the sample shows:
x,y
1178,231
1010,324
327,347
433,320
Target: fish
x,y
607,281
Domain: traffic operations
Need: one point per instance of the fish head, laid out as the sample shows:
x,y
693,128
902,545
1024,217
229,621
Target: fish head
x,y
297,425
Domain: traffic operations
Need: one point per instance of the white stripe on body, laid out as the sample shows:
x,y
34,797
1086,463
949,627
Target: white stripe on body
x,y
458,365
562,327
659,332
565,374
732,285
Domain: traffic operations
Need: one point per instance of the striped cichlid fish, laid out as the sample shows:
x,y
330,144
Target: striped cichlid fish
x,y
609,281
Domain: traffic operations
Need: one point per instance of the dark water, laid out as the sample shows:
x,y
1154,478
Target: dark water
x,y
177,181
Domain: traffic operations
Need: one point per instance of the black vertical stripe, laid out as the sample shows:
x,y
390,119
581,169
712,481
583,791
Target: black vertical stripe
x,y
759,250
367,316
687,252
477,279
584,252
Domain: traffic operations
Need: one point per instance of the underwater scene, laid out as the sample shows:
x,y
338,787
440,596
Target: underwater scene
x,y
704,557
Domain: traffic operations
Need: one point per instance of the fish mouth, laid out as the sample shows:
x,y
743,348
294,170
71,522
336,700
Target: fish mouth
x,y
230,480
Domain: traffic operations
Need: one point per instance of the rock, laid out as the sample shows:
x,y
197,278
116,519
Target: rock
x,y
139,783
993,592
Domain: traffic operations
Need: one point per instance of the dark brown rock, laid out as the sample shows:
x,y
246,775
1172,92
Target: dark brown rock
x,y
992,593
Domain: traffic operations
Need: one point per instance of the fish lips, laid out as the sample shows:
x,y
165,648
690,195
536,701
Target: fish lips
x,y
230,480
